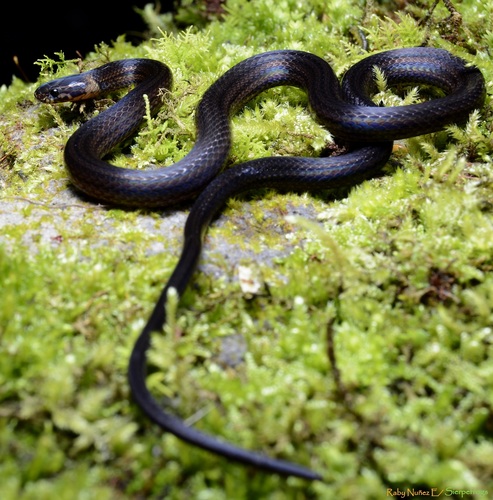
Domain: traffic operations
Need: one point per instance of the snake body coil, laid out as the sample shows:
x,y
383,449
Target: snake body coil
x,y
347,111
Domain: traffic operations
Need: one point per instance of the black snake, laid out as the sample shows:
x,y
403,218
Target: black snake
x,y
346,110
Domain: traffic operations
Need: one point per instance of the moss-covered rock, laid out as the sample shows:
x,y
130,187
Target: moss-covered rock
x,y
365,350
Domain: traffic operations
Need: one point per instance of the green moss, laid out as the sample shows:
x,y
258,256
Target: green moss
x,y
392,282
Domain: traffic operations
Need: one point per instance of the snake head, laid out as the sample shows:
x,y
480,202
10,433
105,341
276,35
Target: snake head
x,y
69,88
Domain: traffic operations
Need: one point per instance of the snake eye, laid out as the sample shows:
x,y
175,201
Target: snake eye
x,y
54,93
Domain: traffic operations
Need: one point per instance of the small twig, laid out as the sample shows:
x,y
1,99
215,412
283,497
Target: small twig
x,y
21,70
61,206
336,373
426,19
455,19
331,352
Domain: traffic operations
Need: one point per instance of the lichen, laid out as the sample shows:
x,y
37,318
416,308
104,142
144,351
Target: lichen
x,y
366,352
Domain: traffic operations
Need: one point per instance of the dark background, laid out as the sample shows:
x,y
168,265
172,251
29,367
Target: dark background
x,y
31,31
